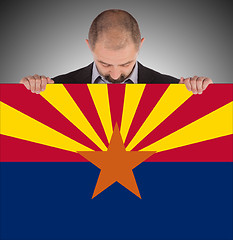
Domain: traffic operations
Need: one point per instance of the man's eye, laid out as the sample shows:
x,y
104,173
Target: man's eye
x,y
125,65
105,65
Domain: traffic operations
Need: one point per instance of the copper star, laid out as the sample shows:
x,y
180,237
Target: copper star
x,y
116,164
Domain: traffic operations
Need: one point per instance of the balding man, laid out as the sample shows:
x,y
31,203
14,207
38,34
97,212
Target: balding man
x,y
115,40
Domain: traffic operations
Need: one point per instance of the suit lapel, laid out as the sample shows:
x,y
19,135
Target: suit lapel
x,y
86,74
142,74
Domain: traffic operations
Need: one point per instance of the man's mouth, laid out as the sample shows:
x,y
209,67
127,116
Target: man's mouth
x,y
119,80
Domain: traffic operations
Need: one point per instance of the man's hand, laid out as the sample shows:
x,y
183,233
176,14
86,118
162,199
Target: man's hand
x,y
36,83
196,84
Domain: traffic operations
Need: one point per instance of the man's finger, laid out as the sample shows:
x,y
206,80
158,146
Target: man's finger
x,y
38,83
193,83
206,83
50,81
200,85
187,83
25,82
181,80
32,82
43,82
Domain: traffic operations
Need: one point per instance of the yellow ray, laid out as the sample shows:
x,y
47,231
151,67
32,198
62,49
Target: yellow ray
x,y
59,97
216,124
174,96
133,95
18,125
99,95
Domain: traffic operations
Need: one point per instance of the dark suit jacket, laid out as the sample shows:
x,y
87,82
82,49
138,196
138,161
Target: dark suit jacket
x,y
145,75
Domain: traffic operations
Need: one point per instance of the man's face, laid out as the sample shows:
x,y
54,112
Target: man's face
x,y
115,65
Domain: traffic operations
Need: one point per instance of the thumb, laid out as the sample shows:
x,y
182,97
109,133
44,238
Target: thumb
x,y
50,80
181,80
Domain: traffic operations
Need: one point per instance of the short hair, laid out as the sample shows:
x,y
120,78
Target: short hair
x,y
114,19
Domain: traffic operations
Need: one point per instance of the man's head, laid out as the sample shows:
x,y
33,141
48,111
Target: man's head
x,y
114,39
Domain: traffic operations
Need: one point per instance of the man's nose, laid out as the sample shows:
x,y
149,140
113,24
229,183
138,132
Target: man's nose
x,y
115,73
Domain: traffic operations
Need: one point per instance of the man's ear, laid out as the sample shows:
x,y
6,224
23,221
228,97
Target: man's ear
x,y
87,42
142,40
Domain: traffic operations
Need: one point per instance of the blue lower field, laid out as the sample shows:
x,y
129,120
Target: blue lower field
x,y
53,201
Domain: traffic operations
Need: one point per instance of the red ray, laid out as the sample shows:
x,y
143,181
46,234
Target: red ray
x,y
194,108
116,93
214,150
17,150
81,95
151,95
35,106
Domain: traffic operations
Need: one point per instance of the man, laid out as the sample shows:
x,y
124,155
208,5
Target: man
x,y
115,40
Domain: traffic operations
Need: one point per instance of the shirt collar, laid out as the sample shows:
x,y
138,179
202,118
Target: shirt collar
x,y
95,74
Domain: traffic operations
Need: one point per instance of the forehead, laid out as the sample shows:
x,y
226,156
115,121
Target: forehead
x,y
115,56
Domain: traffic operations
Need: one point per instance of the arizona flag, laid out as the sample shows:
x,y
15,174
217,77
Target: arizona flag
x,y
116,162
